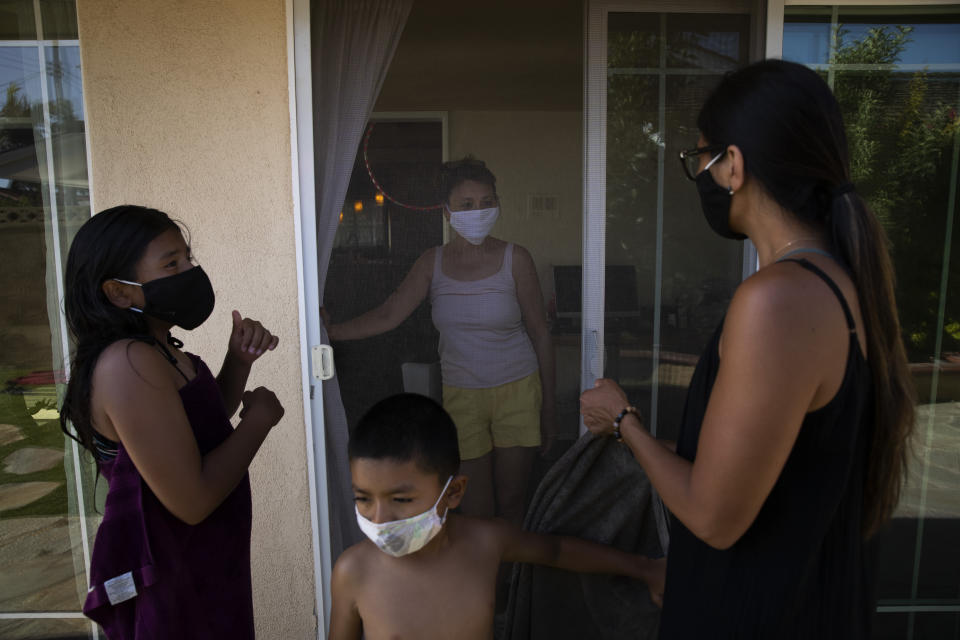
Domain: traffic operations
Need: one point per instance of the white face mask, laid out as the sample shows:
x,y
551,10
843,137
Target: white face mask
x,y
402,537
474,225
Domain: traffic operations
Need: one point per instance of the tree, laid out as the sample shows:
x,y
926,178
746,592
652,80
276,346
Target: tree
x,y
902,135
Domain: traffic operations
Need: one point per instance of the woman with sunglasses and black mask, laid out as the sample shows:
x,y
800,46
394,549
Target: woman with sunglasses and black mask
x,y
793,445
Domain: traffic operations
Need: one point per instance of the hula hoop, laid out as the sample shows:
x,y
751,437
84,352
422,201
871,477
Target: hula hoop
x,y
373,179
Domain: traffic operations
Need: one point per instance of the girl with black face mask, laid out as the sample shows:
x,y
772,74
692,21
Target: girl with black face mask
x,y
172,556
794,439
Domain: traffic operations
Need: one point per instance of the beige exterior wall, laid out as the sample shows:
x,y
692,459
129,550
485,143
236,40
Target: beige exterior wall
x,y
187,109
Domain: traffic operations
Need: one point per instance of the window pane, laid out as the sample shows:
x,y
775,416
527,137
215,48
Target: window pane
x,y
657,321
17,20
928,39
707,41
67,140
918,36
59,19
633,40
43,199
903,131
376,244
806,37
633,141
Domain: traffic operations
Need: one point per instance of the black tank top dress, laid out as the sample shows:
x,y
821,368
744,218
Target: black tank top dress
x,y
801,570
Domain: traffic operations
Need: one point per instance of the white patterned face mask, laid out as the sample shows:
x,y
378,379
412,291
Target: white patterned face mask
x,y
474,225
402,537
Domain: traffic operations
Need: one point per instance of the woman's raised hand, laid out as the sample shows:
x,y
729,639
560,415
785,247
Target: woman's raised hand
x,y
249,339
601,405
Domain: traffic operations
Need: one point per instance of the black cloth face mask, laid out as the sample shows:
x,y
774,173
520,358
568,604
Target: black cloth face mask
x,y
715,202
184,299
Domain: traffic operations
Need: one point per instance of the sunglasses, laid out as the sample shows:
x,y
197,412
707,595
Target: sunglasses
x,y
690,159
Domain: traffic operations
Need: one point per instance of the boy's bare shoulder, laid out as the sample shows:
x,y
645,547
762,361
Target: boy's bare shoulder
x,y
354,563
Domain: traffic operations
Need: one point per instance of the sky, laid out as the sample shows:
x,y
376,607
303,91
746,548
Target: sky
x,y
808,42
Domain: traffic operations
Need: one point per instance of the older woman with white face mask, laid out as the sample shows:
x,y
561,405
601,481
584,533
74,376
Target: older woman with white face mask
x,y
496,354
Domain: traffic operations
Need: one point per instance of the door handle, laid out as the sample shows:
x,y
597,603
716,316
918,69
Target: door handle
x,y
321,357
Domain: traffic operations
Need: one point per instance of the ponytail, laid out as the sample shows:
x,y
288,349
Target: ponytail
x,y
789,128
862,244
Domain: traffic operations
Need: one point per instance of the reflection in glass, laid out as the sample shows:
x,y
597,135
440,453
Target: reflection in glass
x,y
632,156
633,41
44,196
59,19
32,629
684,274
17,21
376,244
717,42
808,39
67,140
932,39
903,131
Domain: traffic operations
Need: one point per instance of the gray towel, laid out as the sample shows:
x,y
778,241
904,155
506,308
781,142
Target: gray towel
x,y
596,491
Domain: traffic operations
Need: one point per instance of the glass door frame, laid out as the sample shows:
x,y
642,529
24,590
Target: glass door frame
x,y
592,337
300,99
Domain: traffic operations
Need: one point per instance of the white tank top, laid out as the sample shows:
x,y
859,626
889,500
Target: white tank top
x,y
483,342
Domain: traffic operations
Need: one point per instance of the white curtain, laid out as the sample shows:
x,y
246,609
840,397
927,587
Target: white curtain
x,y
352,43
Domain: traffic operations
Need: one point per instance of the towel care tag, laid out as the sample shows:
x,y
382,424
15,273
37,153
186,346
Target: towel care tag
x,y
121,588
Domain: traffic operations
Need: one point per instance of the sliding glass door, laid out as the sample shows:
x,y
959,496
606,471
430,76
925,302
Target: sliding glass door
x,y
47,518
657,280
896,72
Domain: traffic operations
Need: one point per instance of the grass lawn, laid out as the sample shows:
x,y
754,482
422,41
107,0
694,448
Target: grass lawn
x,y
17,405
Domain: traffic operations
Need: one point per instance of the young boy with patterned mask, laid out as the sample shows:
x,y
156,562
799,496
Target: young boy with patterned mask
x,y
426,572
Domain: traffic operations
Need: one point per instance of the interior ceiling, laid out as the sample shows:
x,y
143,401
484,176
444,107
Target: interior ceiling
x,y
491,56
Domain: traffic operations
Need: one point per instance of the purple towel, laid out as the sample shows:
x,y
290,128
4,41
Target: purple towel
x,y
154,576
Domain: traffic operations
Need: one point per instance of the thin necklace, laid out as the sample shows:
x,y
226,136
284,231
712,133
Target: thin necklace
x,y
779,252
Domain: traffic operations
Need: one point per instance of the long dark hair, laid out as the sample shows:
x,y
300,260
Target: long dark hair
x,y
108,245
788,126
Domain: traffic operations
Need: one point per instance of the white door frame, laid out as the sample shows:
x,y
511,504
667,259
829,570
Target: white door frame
x,y
300,88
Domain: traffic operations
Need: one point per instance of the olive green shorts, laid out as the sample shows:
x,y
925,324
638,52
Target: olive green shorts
x,y
503,416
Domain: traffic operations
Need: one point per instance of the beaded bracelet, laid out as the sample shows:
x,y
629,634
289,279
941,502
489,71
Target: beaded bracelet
x,y
620,416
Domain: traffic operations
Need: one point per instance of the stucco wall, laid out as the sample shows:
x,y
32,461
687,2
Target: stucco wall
x,y
187,108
